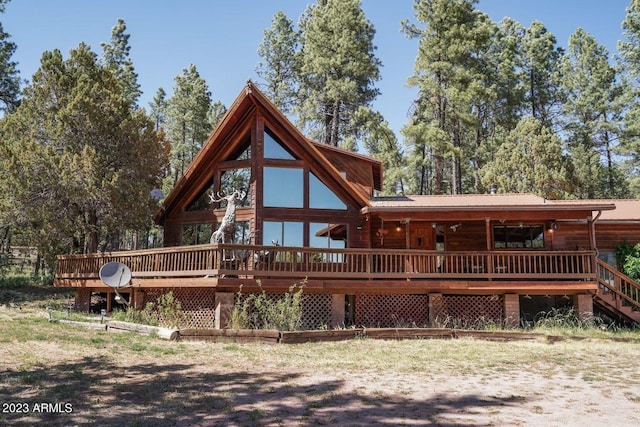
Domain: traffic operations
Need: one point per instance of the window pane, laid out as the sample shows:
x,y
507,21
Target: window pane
x,y
236,179
283,187
322,235
274,150
196,234
284,233
321,197
518,236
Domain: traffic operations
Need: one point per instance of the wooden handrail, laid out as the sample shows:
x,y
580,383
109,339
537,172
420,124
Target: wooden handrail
x,y
624,289
280,261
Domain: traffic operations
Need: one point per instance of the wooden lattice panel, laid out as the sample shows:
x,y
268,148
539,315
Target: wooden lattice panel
x,y
197,304
470,310
385,311
316,308
316,311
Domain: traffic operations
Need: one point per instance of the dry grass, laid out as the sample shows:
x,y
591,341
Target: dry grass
x,y
126,379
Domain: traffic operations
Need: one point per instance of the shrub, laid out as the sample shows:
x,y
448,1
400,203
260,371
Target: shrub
x,y
628,258
167,311
259,311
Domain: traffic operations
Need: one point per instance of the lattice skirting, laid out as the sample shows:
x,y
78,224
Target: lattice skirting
x,y
197,304
316,308
385,311
467,310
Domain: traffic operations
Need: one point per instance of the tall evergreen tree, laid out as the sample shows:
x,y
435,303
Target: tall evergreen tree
x,y
592,112
216,111
116,58
9,74
454,94
531,160
381,142
280,55
158,108
187,121
541,62
629,61
338,68
79,161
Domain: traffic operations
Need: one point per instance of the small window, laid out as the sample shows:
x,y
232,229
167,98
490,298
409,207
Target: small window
x,y
518,236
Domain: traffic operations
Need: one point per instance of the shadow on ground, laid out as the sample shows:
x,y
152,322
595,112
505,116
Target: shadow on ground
x,y
106,391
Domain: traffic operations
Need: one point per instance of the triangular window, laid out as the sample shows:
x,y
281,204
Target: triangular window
x,y
321,197
243,151
273,148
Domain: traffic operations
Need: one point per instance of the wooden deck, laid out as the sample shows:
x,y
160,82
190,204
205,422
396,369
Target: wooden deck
x,y
343,270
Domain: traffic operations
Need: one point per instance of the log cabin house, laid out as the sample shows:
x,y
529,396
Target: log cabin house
x,y
367,260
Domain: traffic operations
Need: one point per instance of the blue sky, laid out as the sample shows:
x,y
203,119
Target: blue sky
x,y
221,36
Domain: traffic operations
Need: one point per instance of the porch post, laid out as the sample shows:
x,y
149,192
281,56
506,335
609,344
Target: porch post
x,y
435,309
583,303
512,310
489,255
223,303
138,299
337,310
83,299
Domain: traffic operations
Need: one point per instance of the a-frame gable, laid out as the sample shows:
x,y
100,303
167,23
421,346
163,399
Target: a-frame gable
x,y
249,115
305,150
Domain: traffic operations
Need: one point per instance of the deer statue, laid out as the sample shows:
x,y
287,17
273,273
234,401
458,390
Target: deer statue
x,y
227,229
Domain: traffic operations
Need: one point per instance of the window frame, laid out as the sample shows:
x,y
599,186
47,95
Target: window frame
x,y
531,227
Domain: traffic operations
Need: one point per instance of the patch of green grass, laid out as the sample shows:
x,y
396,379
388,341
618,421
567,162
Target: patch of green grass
x,y
138,347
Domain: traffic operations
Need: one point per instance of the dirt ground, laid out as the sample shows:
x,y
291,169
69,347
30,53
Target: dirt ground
x,y
124,380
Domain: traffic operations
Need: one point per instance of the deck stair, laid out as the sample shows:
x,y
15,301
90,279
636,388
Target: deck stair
x,y
617,292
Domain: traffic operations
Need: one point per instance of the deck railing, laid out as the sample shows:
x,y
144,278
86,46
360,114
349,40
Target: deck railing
x,y
269,261
622,290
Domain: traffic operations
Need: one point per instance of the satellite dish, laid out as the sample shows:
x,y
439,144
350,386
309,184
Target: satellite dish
x,y
115,274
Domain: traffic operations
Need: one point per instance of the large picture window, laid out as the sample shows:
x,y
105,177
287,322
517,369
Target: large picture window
x,y
518,236
283,187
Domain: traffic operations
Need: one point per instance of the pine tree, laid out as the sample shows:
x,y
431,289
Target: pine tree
x,y
455,91
187,121
541,62
381,142
530,160
629,63
338,68
158,108
216,111
9,74
116,59
280,55
78,159
592,112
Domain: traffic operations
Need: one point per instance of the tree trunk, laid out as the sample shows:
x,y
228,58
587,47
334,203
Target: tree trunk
x,y
91,239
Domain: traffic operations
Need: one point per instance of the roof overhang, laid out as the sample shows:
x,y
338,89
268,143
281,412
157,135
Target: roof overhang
x,y
482,212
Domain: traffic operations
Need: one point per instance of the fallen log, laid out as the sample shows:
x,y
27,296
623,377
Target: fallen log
x,y
266,336
157,331
89,325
